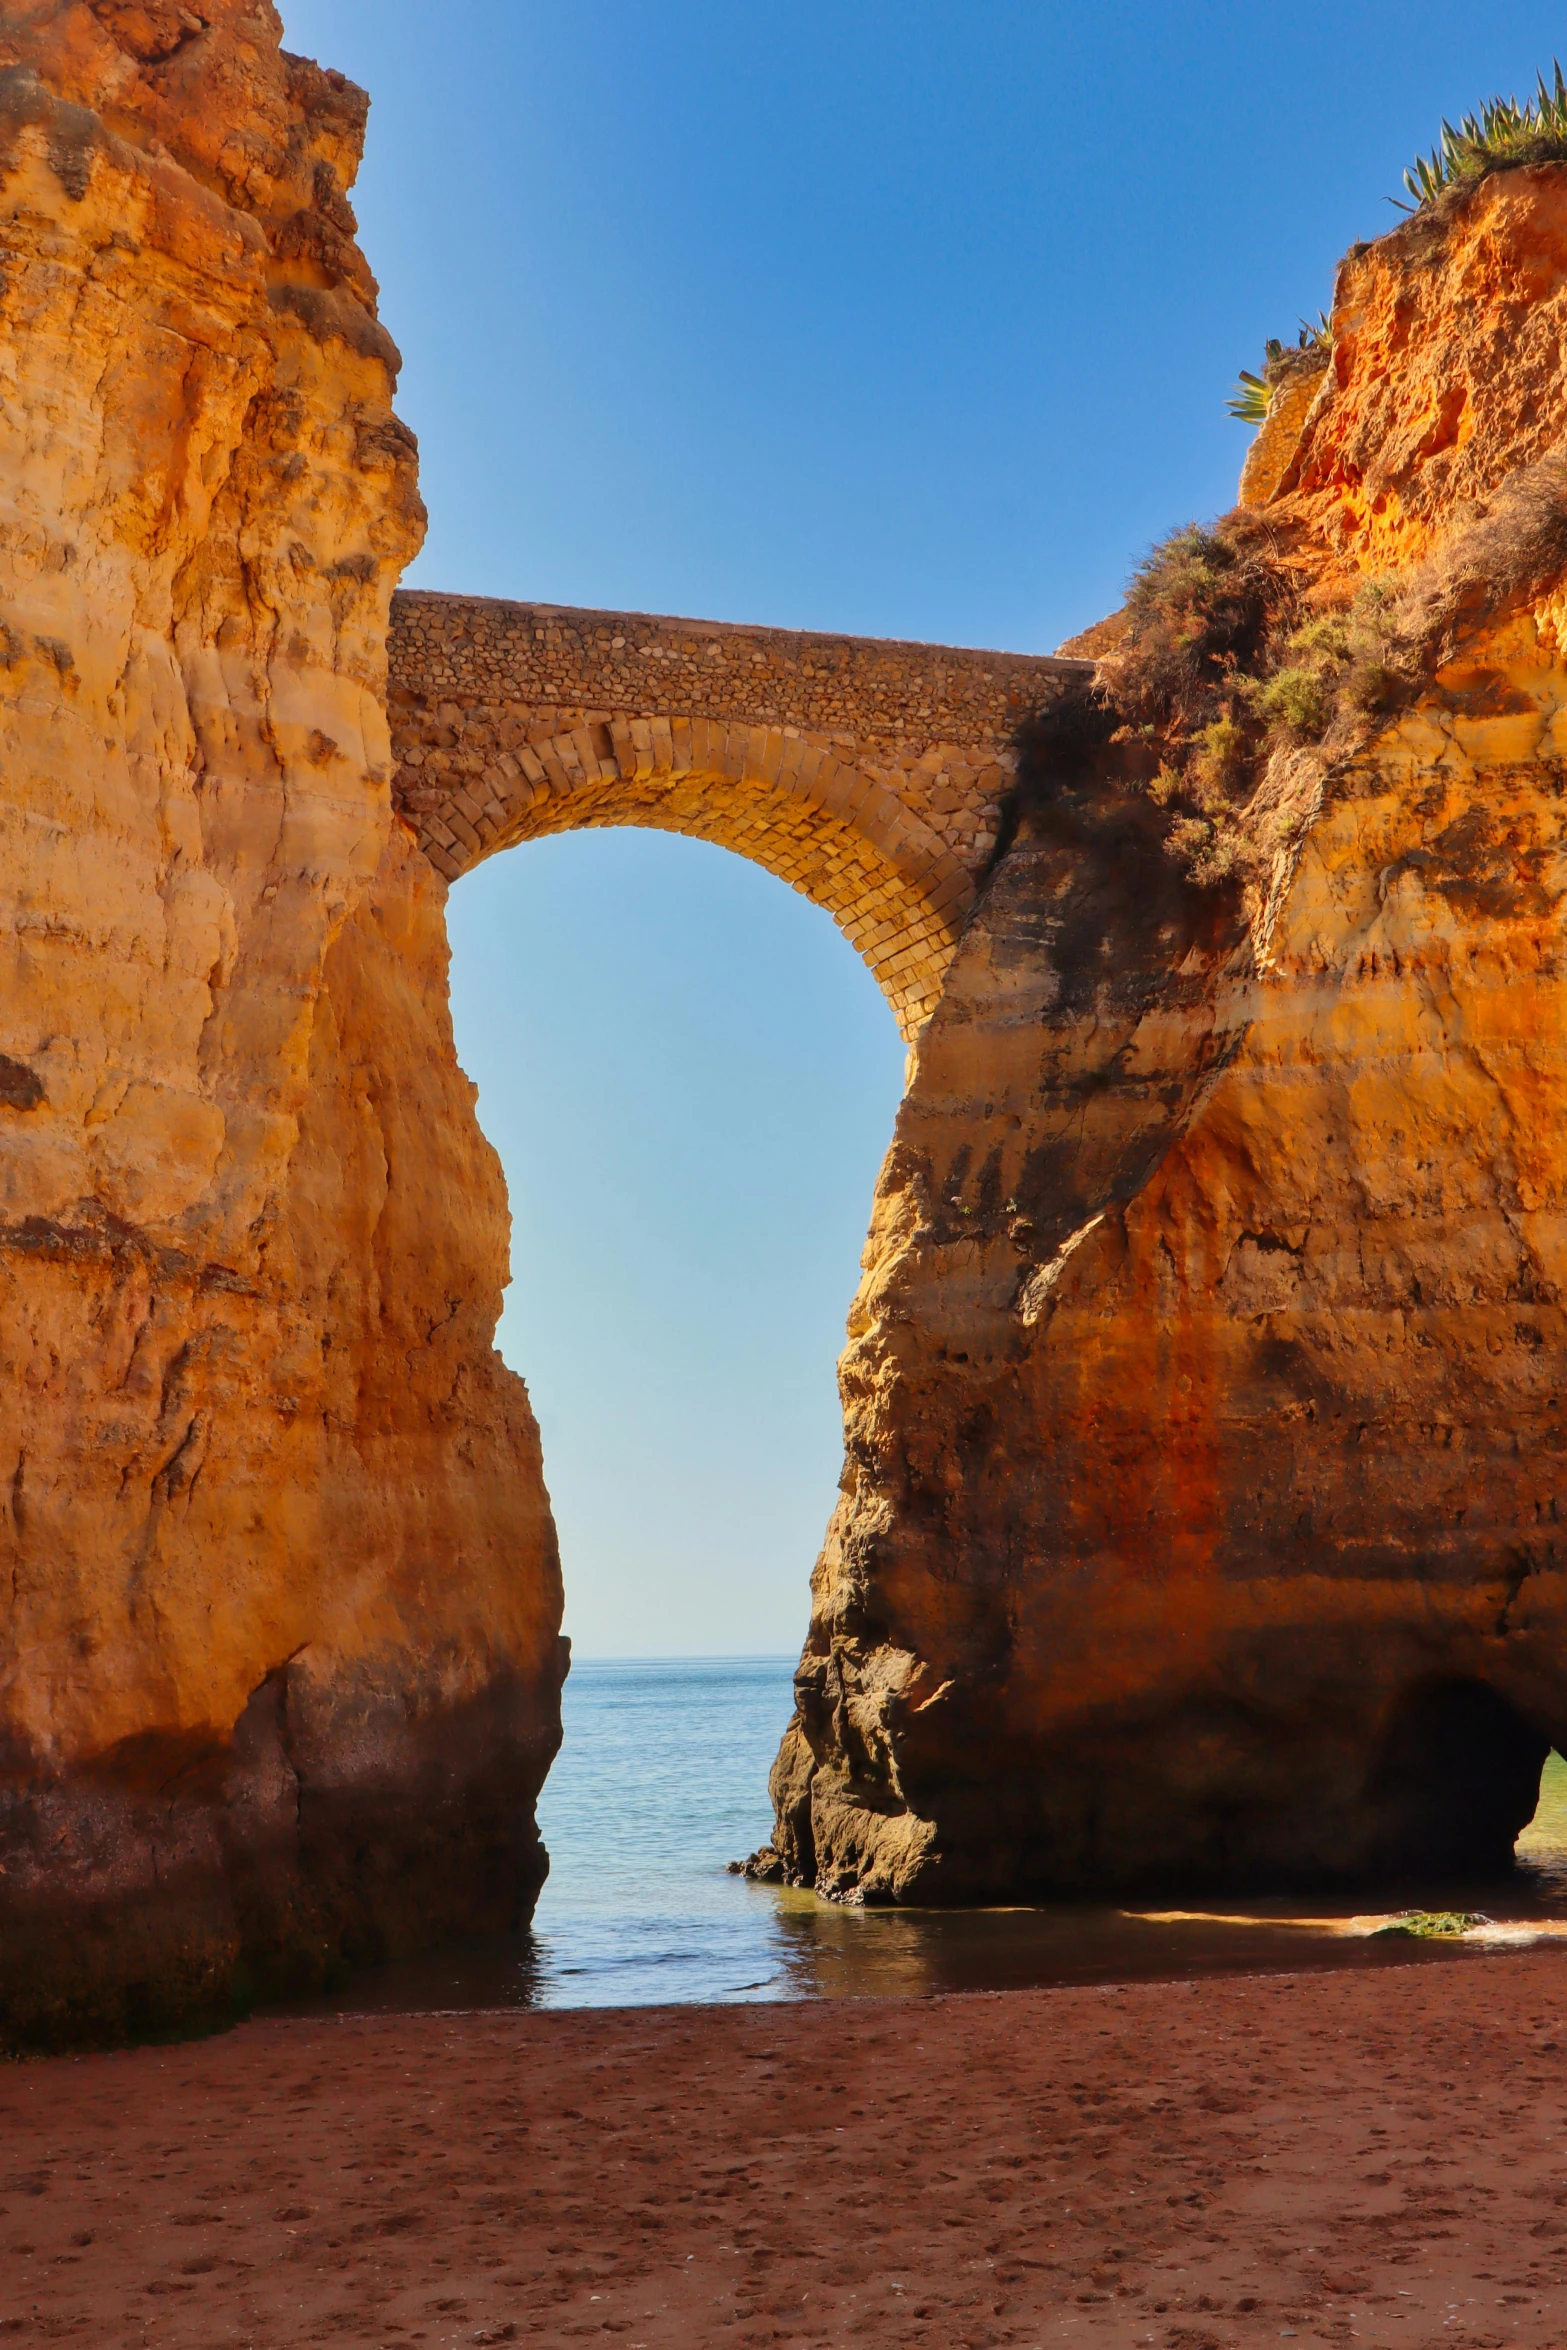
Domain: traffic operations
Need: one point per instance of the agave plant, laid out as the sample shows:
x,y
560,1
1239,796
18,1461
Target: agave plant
x,y
1250,399
1503,132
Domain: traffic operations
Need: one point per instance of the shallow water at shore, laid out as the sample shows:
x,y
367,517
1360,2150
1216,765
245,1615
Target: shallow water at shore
x,y
662,1780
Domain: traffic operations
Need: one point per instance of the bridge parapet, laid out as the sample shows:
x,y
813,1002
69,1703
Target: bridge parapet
x,y
868,774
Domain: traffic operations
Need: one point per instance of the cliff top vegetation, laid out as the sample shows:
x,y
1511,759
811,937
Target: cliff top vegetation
x,y
1234,684
1506,134
1256,656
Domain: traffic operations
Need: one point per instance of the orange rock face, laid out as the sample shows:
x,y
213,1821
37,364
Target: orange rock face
x,y
1204,1396
281,1671
1205,1399
1446,373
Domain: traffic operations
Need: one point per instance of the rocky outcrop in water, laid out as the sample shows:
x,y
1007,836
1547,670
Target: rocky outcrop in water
x,y
1202,1512
281,1667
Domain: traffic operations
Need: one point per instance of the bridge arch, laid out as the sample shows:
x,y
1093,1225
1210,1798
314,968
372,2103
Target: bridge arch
x,y
830,831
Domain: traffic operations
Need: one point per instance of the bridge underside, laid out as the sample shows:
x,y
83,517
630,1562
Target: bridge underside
x,y
828,831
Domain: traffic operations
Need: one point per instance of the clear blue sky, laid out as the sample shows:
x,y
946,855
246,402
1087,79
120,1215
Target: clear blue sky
x,y
913,319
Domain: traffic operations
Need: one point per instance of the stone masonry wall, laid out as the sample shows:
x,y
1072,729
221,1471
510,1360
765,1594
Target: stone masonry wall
x,y
868,774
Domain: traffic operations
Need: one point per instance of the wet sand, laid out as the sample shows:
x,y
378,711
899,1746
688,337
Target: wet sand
x,y
1377,2156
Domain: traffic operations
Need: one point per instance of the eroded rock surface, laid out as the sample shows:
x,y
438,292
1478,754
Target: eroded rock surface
x,y
1202,1512
281,1670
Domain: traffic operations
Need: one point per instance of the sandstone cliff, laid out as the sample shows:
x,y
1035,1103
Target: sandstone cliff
x,y
281,1670
1204,1400
1201,1517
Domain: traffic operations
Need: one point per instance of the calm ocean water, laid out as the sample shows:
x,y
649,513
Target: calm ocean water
x,y
662,1779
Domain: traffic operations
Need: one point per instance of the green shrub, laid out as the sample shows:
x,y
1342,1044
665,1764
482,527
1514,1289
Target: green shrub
x,y
1217,765
1296,702
1334,662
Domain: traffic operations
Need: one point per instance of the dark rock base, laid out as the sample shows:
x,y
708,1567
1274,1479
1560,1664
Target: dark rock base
x,y
169,1889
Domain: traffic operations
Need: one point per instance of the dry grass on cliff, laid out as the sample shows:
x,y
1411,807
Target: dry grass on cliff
x,y
1175,713
1232,693
1510,552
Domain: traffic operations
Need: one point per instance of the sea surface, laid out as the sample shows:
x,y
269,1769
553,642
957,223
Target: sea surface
x,y
662,1780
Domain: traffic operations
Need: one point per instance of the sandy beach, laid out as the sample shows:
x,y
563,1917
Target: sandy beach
x,y
1374,2156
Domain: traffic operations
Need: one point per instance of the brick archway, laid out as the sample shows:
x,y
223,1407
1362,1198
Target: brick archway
x,y
832,833
512,722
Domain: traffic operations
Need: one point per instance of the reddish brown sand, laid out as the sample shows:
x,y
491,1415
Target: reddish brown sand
x,y
1375,2157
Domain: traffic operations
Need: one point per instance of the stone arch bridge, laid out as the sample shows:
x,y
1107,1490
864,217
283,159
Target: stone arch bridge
x,y
867,774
